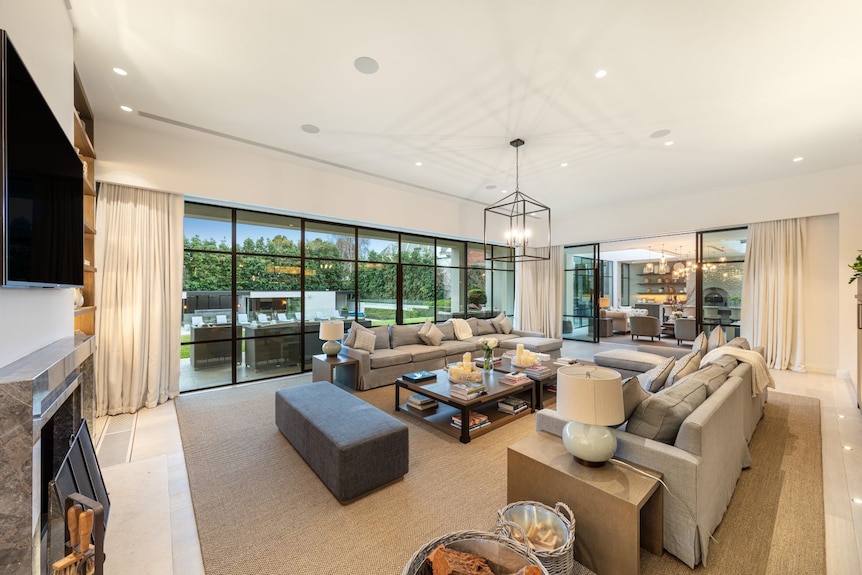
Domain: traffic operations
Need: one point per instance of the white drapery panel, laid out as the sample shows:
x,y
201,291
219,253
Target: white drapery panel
x,y
539,295
139,257
772,292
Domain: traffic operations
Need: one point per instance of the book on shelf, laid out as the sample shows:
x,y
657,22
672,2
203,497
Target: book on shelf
x,y
514,378
512,401
419,401
419,375
513,411
476,420
467,389
512,405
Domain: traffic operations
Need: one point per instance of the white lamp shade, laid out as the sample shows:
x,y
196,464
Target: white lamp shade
x,y
331,330
591,395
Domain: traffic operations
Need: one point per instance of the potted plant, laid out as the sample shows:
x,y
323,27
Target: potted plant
x,y
856,267
476,298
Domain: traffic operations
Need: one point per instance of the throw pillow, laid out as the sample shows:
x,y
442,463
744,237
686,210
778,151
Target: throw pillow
x,y
633,395
355,328
365,340
700,343
484,327
447,329
716,338
434,335
689,363
660,416
739,342
462,329
654,379
502,323
423,331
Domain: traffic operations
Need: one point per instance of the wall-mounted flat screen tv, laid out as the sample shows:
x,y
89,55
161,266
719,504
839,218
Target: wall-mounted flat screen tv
x,y
42,186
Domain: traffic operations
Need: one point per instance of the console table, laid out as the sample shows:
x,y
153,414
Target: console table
x,y
323,366
617,509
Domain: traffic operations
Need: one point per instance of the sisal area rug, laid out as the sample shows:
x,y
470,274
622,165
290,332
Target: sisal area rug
x,y
260,509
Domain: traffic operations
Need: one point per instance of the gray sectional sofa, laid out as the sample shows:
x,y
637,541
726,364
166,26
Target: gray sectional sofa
x,y
398,350
702,461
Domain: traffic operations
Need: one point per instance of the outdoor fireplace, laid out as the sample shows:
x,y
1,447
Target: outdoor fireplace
x,y
43,398
715,296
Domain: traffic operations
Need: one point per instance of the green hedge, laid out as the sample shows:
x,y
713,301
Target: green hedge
x,y
386,314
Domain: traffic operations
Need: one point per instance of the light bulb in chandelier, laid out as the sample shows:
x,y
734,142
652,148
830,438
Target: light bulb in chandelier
x,y
517,238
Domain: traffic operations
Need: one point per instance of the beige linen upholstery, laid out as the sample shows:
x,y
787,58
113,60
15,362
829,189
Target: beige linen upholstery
x,y
684,329
645,326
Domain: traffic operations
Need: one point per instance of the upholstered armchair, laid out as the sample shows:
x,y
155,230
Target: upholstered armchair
x,y
620,320
684,328
645,326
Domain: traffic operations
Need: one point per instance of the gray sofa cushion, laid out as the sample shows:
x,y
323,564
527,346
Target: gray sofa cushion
x,y
633,395
365,340
502,323
727,362
701,342
404,335
654,379
382,333
447,329
660,416
716,338
455,347
388,357
422,352
739,342
712,376
355,328
484,327
687,364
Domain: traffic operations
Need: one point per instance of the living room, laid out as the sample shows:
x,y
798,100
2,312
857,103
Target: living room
x,y
179,157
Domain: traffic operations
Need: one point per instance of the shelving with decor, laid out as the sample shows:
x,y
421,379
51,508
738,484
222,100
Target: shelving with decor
x,y
85,315
665,282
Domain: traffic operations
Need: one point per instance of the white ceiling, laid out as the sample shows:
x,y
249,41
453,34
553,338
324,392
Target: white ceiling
x,y
744,87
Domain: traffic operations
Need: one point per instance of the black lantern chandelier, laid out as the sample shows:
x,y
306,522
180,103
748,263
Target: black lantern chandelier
x,y
519,222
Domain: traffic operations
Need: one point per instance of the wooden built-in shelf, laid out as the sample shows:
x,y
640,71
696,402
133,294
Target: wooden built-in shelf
x,y
84,309
89,229
82,140
89,190
89,268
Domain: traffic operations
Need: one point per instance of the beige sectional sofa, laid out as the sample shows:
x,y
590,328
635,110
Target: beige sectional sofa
x,y
703,460
398,349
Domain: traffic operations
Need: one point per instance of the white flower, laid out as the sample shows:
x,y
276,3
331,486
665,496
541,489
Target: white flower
x,y
488,342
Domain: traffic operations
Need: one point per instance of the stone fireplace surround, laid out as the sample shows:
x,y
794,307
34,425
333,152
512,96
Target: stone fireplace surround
x,y
43,397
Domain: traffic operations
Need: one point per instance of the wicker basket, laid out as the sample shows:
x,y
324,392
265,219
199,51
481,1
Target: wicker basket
x,y
514,554
558,561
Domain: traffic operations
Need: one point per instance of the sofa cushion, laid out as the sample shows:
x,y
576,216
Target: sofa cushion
x,y
660,416
727,362
382,333
422,352
685,365
387,357
447,329
365,340
739,342
455,347
351,336
716,338
423,331
654,379
700,343
474,325
484,327
404,335
628,359
502,323
711,376
434,335
633,395
462,329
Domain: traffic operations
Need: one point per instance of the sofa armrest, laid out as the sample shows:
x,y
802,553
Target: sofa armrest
x,y
523,333
361,356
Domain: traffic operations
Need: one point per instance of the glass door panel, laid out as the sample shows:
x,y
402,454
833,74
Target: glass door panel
x,y
580,309
722,266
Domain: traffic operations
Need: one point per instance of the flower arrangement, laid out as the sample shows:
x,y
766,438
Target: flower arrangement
x,y
488,344
675,314
856,267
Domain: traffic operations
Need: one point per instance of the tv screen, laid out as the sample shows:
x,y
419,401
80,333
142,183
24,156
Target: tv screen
x,y
42,186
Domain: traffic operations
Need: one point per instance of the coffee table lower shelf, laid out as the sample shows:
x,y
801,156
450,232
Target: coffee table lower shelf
x,y
441,418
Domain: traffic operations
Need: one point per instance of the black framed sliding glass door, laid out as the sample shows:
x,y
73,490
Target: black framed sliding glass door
x,y
582,284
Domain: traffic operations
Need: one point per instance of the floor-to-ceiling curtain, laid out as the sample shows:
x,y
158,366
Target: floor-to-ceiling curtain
x,y
139,259
539,293
772,291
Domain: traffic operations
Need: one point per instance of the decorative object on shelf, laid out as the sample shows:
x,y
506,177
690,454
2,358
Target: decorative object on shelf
x,y
646,280
649,267
507,220
79,297
856,267
488,344
670,290
331,331
590,398
667,280
649,290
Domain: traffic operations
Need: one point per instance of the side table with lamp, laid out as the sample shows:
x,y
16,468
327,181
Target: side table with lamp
x,y
323,365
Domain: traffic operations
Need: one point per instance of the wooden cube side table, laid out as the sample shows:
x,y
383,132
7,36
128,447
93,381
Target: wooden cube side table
x,y
323,366
617,510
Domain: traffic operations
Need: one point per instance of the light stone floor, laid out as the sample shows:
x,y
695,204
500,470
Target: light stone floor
x,y
152,528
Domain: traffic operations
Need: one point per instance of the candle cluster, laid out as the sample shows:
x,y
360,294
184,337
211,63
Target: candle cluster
x,y
463,368
525,357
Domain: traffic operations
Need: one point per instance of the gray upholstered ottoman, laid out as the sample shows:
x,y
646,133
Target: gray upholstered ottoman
x,y
547,345
628,361
351,445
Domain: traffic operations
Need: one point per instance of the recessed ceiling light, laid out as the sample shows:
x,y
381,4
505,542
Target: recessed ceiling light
x,y
366,65
669,143
798,159
857,500
504,191
601,73
564,164
841,416
418,163
309,128
125,108
848,448
120,72
660,134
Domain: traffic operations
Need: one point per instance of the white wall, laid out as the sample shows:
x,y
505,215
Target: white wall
x,y
42,35
820,309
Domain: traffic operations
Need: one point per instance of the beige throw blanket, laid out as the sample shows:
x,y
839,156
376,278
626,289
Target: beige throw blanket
x,y
760,376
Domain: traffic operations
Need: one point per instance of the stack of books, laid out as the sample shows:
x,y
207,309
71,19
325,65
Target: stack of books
x,y
565,361
539,372
477,420
512,405
467,389
418,401
514,378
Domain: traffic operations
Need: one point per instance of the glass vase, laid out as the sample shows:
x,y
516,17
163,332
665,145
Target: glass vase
x,y
489,362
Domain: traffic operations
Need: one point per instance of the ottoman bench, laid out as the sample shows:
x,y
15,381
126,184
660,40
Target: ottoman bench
x,y
352,446
547,345
628,361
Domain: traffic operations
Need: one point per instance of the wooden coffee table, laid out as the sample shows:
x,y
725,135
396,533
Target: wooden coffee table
x,y
617,510
441,416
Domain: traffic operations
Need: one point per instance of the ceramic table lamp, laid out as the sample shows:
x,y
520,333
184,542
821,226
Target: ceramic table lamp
x,y
331,331
590,398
